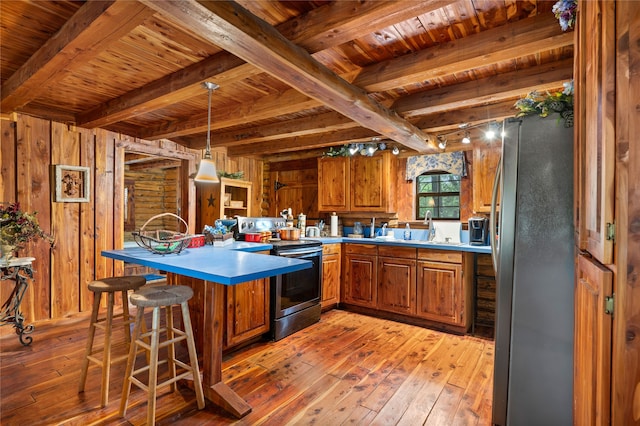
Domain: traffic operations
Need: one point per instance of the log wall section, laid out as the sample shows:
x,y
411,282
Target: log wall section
x,y
155,192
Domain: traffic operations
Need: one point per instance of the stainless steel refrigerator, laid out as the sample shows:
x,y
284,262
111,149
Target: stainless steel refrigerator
x,y
533,248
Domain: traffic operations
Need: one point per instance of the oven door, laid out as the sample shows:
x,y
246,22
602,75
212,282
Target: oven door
x,y
297,290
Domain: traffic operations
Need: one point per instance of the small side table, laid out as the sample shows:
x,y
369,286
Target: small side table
x,y
18,270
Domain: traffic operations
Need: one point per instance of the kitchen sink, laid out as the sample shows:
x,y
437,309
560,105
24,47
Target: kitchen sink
x,y
430,243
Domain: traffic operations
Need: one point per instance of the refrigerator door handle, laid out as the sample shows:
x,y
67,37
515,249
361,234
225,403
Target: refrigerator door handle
x,y
497,183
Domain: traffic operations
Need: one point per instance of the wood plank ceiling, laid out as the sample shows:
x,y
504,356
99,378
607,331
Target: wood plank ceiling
x,y
296,77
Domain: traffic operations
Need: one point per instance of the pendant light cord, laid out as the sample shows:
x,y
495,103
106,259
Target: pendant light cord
x,y
207,153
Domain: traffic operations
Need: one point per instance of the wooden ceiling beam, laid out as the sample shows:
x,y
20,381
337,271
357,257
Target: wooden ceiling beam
x,y
234,29
321,123
168,90
441,122
342,21
449,58
287,102
88,32
303,142
524,37
487,90
312,31
447,120
486,103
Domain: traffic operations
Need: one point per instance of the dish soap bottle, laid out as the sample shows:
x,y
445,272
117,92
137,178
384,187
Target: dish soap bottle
x,y
407,232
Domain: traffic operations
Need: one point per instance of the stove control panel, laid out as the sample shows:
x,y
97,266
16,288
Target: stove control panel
x,y
259,224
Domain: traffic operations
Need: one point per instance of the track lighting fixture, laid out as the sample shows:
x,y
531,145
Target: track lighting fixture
x,y
463,129
442,142
467,138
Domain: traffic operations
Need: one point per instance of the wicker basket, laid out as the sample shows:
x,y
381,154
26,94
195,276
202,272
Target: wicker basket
x,y
162,241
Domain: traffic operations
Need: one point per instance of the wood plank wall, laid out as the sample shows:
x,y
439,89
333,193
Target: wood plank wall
x,y
30,147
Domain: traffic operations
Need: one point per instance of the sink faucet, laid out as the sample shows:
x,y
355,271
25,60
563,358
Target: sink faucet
x,y
372,230
383,231
431,230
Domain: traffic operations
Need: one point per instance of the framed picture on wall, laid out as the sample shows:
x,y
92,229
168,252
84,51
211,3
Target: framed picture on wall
x,y
72,184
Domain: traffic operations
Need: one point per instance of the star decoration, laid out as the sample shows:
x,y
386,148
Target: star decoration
x,y
210,200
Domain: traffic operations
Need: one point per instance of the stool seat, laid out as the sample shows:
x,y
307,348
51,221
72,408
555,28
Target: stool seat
x,y
163,295
104,285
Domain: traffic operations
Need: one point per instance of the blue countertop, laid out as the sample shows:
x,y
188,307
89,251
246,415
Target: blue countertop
x,y
228,265
236,263
406,243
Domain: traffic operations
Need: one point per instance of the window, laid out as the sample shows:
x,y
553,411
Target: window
x,y
438,192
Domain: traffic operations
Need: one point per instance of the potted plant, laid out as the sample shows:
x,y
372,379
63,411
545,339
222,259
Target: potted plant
x,y
17,228
549,103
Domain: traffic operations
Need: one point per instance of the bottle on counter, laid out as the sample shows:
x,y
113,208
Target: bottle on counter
x,y
289,218
302,223
407,232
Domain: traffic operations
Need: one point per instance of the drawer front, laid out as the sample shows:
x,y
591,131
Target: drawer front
x,y
440,255
361,249
395,251
330,249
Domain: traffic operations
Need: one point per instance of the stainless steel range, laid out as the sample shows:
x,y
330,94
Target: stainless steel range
x,y
295,297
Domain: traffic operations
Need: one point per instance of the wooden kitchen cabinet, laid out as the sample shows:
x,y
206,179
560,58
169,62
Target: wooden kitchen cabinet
x,y
361,275
397,279
331,268
333,184
595,128
357,184
485,163
443,295
247,311
592,349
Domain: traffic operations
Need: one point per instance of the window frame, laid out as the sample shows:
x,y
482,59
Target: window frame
x,y
419,195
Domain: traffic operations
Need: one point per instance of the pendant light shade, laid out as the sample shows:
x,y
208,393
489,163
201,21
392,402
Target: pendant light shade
x,y
207,172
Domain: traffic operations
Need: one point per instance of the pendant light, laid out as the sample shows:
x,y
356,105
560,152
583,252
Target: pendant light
x,y
207,169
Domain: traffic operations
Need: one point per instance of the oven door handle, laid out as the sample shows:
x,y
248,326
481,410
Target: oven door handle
x,y
299,252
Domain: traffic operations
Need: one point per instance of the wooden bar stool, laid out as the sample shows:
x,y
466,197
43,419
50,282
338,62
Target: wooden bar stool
x,y
109,286
157,297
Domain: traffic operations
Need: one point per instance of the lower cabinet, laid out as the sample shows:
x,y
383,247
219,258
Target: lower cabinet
x,y
247,311
397,279
361,275
443,293
420,284
331,268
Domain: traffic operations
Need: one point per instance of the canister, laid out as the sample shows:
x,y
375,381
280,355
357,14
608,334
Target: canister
x,y
302,223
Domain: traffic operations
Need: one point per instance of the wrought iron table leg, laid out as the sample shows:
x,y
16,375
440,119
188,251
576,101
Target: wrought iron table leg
x,y
11,312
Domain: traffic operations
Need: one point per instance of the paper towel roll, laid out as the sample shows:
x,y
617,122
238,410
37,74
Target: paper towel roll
x,y
334,225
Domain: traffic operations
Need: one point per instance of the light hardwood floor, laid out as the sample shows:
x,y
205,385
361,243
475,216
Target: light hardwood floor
x,y
347,369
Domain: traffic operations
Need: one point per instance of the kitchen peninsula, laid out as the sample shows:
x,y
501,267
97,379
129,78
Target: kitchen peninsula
x,y
217,267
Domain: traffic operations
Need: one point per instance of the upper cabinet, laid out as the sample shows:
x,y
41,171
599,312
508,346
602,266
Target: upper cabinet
x,y
595,128
485,164
357,184
333,184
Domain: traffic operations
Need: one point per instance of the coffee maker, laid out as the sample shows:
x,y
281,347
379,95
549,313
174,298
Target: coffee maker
x,y
478,231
